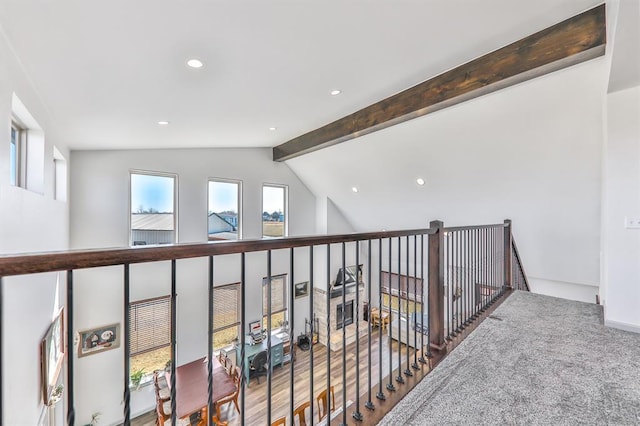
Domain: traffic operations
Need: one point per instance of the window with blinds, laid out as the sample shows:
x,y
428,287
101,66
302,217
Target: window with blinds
x,y
226,314
149,324
278,300
408,297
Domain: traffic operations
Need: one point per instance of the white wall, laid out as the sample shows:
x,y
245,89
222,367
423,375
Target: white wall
x,y
621,263
29,222
530,153
99,218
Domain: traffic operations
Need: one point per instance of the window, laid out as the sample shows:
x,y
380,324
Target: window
x,y
410,298
223,219
26,151
278,300
60,176
14,154
150,334
226,314
152,208
274,211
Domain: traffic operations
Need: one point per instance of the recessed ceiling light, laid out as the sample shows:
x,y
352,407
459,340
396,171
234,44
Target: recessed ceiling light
x,y
273,129
195,63
355,189
335,92
420,181
163,123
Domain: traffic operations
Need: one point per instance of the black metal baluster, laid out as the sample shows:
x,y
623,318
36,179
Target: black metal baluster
x,y
407,371
173,342
476,279
312,317
127,348
269,366
328,301
456,299
1,345
415,303
468,280
423,300
448,263
344,337
460,282
380,395
210,345
291,325
357,415
369,404
399,377
71,411
390,385
243,331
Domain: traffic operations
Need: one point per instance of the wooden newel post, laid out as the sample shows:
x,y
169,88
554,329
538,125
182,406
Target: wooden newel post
x,y
436,285
507,254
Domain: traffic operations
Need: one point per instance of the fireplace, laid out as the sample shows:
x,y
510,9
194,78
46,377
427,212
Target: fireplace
x,y
332,313
344,314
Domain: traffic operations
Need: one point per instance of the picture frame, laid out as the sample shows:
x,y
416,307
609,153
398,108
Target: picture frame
x,y
99,339
301,289
52,355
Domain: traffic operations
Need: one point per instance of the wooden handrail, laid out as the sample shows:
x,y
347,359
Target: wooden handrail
x,y
466,228
82,259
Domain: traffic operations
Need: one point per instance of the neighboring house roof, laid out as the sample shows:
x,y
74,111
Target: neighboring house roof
x,y
218,224
152,221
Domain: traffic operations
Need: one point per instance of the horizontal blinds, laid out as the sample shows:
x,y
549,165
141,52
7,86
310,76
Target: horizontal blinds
x,y
278,294
226,306
415,285
149,324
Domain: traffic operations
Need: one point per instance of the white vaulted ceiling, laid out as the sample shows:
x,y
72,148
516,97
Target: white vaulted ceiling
x,y
109,71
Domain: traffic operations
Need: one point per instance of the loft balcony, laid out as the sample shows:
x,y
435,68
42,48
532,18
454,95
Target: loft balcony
x,y
435,286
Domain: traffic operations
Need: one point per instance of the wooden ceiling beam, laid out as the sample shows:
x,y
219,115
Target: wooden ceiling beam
x,y
567,43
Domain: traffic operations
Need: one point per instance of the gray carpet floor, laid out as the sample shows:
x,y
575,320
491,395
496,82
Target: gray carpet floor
x,y
537,360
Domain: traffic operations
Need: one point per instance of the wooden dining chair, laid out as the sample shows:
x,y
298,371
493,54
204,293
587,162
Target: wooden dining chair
x,y
322,403
163,411
234,396
300,413
215,421
282,421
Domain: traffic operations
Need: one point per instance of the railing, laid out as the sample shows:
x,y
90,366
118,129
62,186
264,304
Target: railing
x,y
467,270
520,281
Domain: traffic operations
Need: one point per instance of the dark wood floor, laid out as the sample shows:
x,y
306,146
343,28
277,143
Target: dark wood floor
x,y
256,394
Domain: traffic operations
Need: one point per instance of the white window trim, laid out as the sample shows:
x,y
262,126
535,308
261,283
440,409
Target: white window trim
x,y
285,206
175,200
240,206
21,149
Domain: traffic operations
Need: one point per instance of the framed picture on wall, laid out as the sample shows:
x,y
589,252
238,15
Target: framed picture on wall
x,y
301,289
52,355
99,340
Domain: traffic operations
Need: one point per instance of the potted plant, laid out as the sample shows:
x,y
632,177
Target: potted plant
x,y
136,377
56,395
94,419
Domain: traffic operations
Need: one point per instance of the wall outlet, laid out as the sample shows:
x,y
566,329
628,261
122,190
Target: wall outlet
x,y
632,222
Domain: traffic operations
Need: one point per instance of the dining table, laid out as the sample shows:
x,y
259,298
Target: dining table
x,y
192,384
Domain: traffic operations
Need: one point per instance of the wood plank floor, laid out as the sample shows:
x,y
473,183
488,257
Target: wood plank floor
x,y
256,394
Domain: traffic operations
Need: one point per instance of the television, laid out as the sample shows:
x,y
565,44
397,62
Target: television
x,y
344,277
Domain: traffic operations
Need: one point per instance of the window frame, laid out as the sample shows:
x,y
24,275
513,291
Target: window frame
x,y
238,323
285,299
402,298
175,201
19,142
285,208
238,203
